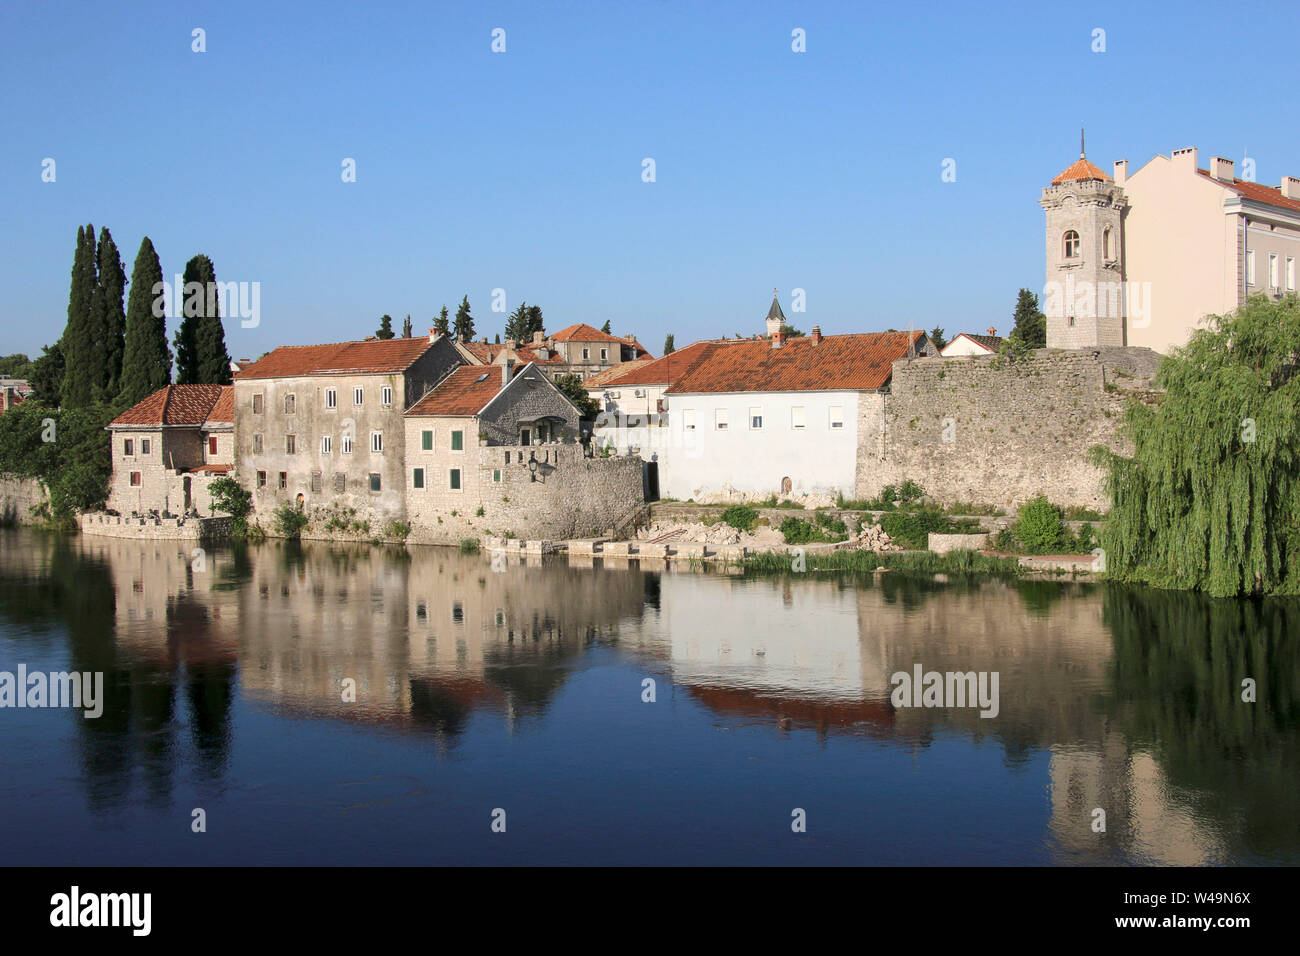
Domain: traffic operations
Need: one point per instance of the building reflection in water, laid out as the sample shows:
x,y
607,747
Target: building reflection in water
x,y
1124,698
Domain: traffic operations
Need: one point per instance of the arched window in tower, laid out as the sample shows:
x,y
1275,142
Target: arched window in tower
x,y
1071,245
1107,253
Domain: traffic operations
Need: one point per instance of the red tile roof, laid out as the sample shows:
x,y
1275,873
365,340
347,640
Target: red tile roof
x,y
463,392
585,333
213,469
223,412
1256,192
990,342
600,379
662,371
837,363
487,354
176,405
1080,169
377,356
638,350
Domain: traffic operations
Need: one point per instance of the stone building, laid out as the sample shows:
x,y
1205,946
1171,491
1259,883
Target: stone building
x,y
495,451
167,448
578,350
321,425
1143,259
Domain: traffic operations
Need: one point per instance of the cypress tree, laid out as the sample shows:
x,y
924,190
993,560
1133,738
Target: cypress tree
x,y
517,324
534,323
669,345
1030,323
464,321
406,327
146,359
195,331
385,330
440,323
80,351
605,328
112,289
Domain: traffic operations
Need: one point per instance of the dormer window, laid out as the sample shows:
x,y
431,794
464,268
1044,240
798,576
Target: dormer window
x,y
1071,245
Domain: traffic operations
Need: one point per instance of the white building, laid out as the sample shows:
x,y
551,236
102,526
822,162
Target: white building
x,y
761,417
966,343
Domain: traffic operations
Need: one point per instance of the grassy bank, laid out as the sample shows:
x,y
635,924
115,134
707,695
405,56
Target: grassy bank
x,y
954,562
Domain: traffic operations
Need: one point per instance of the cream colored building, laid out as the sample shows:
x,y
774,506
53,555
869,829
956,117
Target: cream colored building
x,y
1142,259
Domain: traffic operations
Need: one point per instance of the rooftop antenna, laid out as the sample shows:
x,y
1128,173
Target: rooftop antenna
x,y
1082,153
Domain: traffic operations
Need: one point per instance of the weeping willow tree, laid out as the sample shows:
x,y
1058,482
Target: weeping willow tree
x,y
1208,501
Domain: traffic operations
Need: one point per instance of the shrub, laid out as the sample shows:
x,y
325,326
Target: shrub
x,y
911,529
288,520
910,491
228,496
398,529
823,529
469,546
740,517
1039,529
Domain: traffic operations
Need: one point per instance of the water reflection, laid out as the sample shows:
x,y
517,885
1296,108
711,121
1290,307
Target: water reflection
x,y
1124,700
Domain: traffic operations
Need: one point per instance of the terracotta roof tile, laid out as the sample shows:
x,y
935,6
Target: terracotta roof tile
x,y
601,378
991,342
223,412
175,405
1080,169
1256,192
584,333
663,371
463,392
377,356
837,363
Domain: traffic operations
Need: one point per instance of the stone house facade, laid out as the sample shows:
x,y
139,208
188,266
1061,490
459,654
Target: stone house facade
x,y
578,350
321,425
167,448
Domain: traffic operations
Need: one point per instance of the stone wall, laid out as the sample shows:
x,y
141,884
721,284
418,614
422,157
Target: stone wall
x,y
152,529
18,496
989,431
568,496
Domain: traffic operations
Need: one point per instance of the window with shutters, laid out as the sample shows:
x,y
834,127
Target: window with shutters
x,y
798,417
417,478
426,440
257,404
290,403
340,482
386,396
257,444
317,481
331,398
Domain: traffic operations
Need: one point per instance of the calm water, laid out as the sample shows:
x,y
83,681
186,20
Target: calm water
x,y
522,690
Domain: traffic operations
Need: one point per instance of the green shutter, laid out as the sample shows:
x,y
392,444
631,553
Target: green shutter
x,y
456,441
455,479
426,440
419,478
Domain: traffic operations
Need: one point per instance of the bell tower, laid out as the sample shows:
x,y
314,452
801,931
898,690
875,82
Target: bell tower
x,y
1084,295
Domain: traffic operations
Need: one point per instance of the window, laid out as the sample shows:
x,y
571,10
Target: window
x,y
257,404
1250,267
1272,270
376,483
347,444
386,396
1105,245
261,479
720,419
756,419
135,479
317,481
290,403
290,444
1071,245
1070,321
798,417
457,441
284,480
496,475
525,436
604,354
257,444
417,478
128,447
358,396
340,482
837,416
144,446
1290,274
455,479
586,353
331,398
212,445
426,440
326,444
377,443
688,419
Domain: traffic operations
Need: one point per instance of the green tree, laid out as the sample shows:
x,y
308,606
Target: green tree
x,y
1210,498
46,376
111,309
517,323
440,324
789,331
1030,327
937,337
605,328
534,324
82,340
406,326
496,340
385,330
464,327
17,365
201,356
146,359
571,385
669,345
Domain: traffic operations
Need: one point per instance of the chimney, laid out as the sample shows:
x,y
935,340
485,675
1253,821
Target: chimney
x,y
1221,169
1185,159
511,345
537,338
816,334
433,335
507,370
777,338
992,330
1290,187
1121,172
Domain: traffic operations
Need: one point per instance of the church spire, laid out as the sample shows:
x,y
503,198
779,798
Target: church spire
x,y
1082,153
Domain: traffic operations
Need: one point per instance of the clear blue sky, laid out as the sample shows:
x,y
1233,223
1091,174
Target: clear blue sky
x,y
817,170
